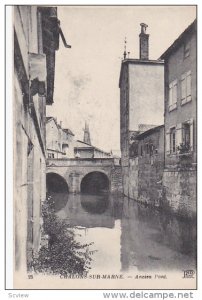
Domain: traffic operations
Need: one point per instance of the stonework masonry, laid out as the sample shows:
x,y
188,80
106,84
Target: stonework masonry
x,y
180,191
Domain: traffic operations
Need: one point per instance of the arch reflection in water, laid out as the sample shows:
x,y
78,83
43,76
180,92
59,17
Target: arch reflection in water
x,y
95,183
144,239
57,189
95,205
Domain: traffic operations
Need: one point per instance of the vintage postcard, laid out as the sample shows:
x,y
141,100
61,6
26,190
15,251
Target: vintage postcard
x,y
105,146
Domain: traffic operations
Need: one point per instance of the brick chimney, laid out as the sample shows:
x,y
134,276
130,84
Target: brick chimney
x,y
144,42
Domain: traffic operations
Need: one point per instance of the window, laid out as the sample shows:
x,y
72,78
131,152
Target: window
x,y
133,149
180,139
172,95
186,134
151,147
172,140
186,144
147,148
141,150
186,88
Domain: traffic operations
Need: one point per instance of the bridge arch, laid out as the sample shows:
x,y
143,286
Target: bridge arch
x,y
95,182
56,183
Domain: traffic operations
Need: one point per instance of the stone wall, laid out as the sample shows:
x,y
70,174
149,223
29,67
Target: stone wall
x,y
116,180
150,181
180,191
142,180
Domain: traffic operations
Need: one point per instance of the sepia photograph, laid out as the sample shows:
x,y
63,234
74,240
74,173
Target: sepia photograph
x,y
104,105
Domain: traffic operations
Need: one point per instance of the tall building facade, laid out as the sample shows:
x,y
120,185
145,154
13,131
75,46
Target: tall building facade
x,y
141,86
36,38
180,121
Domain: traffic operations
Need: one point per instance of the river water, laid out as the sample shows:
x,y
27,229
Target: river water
x,y
127,236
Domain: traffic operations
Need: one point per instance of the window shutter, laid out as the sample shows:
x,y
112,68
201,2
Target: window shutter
x,y
167,141
170,94
191,134
174,92
188,84
178,134
183,87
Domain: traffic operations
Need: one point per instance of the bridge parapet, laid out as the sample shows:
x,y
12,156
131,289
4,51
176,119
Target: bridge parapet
x,y
67,162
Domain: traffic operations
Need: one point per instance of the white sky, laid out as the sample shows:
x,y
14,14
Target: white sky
x,y
87,75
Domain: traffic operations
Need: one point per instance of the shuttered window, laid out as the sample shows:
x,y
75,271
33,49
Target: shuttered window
x,y
186,88
178,135
172,95
183,87
172,140
167,141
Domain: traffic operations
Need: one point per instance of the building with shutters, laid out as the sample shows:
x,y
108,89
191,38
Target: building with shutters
x,y
36,33
180,121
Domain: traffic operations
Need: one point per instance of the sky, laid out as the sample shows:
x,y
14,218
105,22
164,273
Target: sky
x,y
87,75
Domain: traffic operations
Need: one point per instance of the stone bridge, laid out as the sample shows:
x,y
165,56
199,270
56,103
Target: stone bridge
x,y
85,173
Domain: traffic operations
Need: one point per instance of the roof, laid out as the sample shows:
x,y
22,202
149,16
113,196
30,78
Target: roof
x,y
83,145
48,119
80,144
68,131
178,42
148,132
54,150
137,61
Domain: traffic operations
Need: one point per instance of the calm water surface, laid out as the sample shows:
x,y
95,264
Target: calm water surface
x,y
126,235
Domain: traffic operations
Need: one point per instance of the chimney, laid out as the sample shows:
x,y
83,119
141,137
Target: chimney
x,y
144,42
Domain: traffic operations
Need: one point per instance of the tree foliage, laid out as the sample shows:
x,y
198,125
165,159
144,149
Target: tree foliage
x,y
62,255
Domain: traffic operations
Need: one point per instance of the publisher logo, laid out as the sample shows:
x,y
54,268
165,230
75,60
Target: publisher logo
x,y
189,274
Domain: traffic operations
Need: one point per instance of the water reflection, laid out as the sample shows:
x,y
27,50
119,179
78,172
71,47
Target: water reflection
x,y
129,236
95,204
60,200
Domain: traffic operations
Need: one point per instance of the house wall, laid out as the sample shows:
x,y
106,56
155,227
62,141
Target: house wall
x,y
145,171
68,139
175,66
146,94
124,127
53,139
180,177
151,168
85,153
141,100
29,142
180,188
